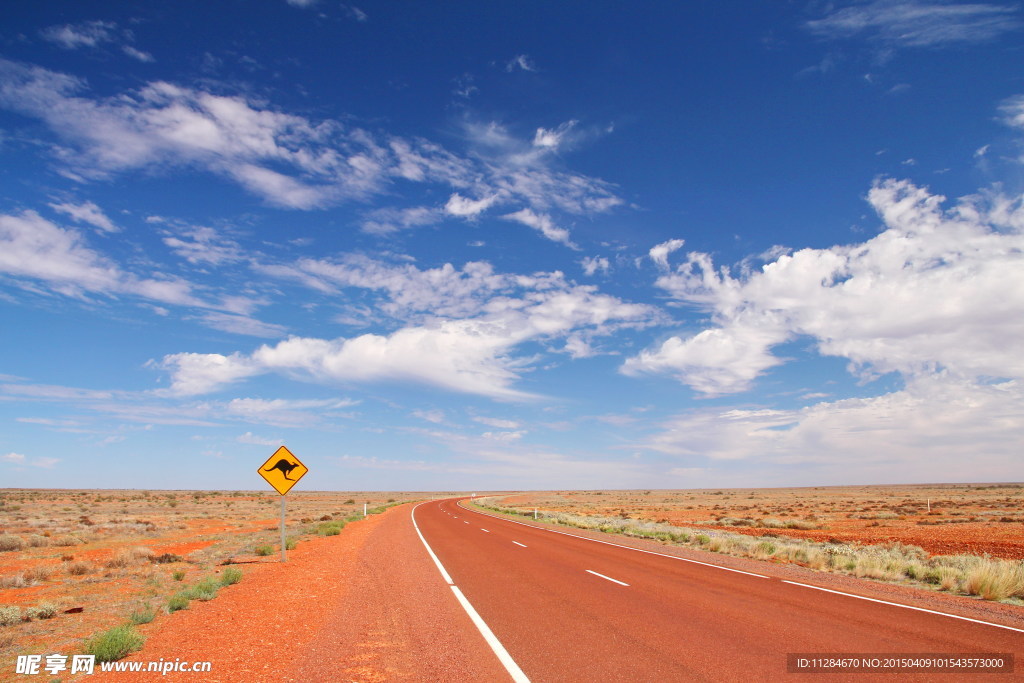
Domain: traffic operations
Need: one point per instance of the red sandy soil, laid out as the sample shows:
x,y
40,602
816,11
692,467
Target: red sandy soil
x,y
366,605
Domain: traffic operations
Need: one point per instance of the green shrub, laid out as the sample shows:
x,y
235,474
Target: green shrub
x,y
204,590
291,542
330,528
177,602
10,615
114,644
178,574
230,576
702,539
263,550
142,615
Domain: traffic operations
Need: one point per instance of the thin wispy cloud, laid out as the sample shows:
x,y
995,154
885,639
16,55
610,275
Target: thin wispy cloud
x,y
918,23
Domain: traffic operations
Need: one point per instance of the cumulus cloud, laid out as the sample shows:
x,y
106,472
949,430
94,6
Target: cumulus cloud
x,y
935,291
660,252
462,327
200,373
468,208
918,23
593,264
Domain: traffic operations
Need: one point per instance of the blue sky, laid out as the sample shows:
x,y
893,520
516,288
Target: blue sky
x,y
534,245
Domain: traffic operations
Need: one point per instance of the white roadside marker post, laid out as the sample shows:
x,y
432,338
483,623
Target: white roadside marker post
x,y
535,513
364,509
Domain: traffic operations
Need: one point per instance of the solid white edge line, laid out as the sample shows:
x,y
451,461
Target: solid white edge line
x,y
483,529
440,567
621,583
639,550
492,640
896,604
519,544
506,659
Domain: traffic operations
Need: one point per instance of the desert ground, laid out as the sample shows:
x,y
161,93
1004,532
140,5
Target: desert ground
x,y
943,519
74,564
110,556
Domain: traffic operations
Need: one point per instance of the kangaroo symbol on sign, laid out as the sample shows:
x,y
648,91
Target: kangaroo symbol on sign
x,y
285,467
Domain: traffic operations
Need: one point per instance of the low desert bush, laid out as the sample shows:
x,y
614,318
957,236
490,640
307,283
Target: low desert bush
x,y
10,615
330,528
11,542
204,590
178,574
142,615
996,580
177,602
114,644
78,567
38,541
230,576
264,550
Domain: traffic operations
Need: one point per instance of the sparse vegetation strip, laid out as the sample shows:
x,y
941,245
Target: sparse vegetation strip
x,y
991,579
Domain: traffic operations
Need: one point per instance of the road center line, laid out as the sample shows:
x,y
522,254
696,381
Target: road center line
x,y
621,583
896,604
492,640
617,545
519,544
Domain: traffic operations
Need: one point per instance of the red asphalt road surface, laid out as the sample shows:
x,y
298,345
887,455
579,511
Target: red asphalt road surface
x,y
675,620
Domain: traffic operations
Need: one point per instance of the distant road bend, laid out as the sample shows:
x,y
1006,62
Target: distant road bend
x,y
559,607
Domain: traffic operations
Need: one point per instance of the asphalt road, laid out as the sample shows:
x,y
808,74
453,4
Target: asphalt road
x,y
567,608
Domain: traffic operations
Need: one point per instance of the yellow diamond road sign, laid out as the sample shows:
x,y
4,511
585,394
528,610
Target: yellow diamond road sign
x,y
282,470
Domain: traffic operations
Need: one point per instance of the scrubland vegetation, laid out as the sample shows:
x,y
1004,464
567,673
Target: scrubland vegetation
x,y
767,538
85,571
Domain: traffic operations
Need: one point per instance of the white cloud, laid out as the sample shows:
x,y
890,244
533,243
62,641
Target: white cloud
x,y
435,416
199,244
592,264
86,212
660,252
553,139
85,34
918,23
200,373
387,221
464,324
251,438
294,162
468,208
503,436
543,224
20,459
33,247
497,422
937,427
935,291
135,53
241,324
522,62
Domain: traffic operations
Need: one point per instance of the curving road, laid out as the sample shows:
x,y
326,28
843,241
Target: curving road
x,y
568,608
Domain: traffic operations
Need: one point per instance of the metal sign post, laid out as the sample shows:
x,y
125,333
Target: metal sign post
x,y
284,558
282,470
